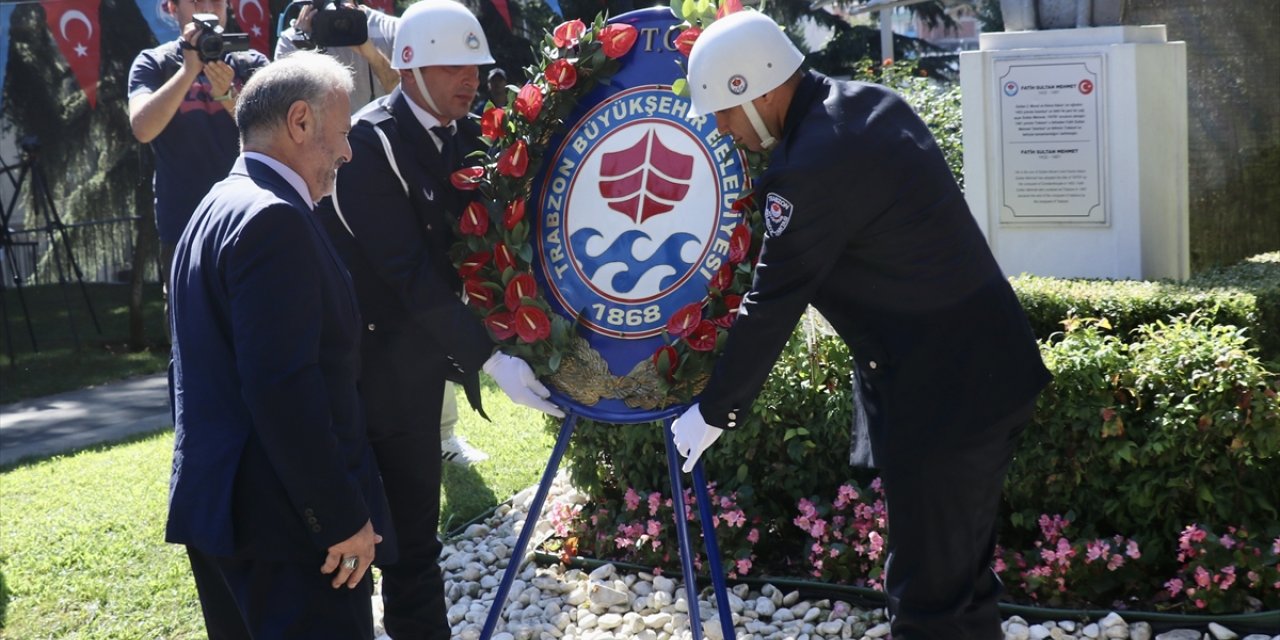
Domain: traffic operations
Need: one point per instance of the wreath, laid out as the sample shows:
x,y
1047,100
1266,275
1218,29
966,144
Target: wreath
x,y
493,253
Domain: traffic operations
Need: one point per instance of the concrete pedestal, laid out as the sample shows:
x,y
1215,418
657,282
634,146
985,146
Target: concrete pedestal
x,y
1075,149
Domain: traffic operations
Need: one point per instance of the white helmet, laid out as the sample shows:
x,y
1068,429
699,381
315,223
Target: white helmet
x,y
739,58
439,33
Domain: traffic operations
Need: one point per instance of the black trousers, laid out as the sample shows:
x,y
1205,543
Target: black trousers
x,y
943,497
255,599
402,395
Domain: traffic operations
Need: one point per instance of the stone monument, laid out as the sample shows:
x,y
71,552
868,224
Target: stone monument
x,y
1075,139
1030,15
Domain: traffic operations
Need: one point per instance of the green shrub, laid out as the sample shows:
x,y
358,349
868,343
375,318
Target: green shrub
x,y
1180,426
795,442
1245,295
1161,415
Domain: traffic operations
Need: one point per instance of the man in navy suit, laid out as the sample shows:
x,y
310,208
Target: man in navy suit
x,y
391,219
864,221
274,490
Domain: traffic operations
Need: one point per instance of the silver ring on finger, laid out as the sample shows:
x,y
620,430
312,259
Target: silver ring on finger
x,y
350,562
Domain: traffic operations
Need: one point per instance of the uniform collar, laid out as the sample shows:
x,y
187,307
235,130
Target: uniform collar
x,y
808,91
428,121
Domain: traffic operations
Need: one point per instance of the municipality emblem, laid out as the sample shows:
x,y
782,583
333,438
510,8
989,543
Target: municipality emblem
x,y
777,213
473,42
637,212
737,84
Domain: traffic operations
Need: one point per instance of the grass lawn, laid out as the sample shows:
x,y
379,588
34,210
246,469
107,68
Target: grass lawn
x,y
81,536
58,366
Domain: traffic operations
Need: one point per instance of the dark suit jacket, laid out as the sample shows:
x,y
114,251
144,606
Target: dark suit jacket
x,y
396,244
871,228
271,459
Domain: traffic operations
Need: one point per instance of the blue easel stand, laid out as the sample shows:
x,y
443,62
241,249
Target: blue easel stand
x,y
682,532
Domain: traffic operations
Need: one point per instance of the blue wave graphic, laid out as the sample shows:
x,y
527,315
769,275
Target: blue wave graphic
x,y
668,254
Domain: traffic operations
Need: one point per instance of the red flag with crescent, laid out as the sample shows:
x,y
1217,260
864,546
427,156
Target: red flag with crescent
x,y
74,24
255,19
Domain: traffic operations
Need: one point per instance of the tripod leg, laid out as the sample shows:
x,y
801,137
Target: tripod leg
x,y
682,532
42,187
62,277
530,522
713,551
13,260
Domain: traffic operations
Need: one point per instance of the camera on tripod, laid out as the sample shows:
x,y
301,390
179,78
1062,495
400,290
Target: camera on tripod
x,y
331,26
213,43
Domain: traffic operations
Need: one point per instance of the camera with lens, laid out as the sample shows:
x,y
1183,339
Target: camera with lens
x,y
213,43
332,26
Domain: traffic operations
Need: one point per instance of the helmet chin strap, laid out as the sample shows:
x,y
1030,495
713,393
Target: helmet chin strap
x,y
426,95
766,139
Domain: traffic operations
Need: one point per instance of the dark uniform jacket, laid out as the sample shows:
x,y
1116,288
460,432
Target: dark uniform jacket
x,y
271,460
392,224
865,222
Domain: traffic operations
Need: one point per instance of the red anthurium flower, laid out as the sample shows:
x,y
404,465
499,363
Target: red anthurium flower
x,y
728,7
491,123
739,244
520,287
723,278
617,39
478,294
665,360
514,214
467,178
473,263
743,203
502,324
514,160
502,258
685,319
684,41
475,220
703,337
529,102
568,33
732,301
561,75
532,324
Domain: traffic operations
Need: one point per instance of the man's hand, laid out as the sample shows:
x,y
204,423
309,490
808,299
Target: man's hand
x,y
693,435
516,379
351,557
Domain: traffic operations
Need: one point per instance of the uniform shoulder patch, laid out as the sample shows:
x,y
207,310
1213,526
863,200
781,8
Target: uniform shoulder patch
x,y
777,213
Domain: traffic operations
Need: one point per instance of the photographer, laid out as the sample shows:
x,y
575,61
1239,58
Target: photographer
x,y
183,106
369,62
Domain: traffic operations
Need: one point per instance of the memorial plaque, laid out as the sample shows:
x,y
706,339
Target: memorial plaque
x,y
1051,140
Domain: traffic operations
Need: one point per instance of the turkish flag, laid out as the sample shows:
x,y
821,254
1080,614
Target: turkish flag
x,y
74,24
386,6
504,11
255,19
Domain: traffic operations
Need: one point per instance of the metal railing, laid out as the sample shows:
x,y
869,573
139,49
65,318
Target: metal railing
x,y
102,249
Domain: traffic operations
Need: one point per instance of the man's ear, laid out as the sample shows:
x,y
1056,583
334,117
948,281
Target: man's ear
x,y
300,120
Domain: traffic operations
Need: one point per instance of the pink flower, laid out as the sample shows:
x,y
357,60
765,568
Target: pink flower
x,y
632,499
845,495
1202,577
1228,577
1275,546
1000,566
1174,587
1226,541
654,528
655,500
807,509
1132,551
1115,562
744,565
735,518
1095,550
753,536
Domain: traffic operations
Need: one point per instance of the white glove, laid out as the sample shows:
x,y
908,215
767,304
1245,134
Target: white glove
x,y
693,435
516,379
